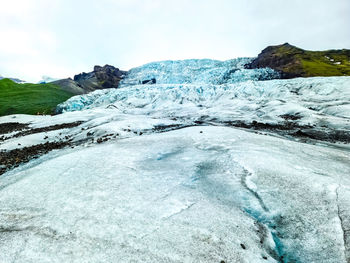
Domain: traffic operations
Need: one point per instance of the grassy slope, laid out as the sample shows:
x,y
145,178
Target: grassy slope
x,y
315,63
322,63
29,98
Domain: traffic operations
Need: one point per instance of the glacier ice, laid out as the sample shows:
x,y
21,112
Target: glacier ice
x,y
197,71
192,194
162,190
224,91
317,103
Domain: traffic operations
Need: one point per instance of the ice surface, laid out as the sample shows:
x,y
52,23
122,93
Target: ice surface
x,y
161,190
194,194
322,103
197,71
224,91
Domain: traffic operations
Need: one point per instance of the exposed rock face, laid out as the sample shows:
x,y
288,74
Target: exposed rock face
x,y
101,78
149,81
105,77
70,86
293,62
285,62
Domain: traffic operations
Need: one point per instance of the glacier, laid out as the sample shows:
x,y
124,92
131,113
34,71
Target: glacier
x,y
211,163
221,92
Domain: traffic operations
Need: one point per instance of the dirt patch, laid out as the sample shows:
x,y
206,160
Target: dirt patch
x,y
171,127
12,126
291,117
326,135
25,130
285,126
289,128
13,158
48,128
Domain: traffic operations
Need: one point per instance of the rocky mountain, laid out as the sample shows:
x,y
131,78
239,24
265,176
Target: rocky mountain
x,y
293,62
105,77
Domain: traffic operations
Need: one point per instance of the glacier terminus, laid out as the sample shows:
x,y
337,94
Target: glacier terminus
x,y
187,161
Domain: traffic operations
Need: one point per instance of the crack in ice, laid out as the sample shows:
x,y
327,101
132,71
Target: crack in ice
x,y
341,221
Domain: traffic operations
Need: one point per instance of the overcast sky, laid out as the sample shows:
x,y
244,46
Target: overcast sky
x,y
61,38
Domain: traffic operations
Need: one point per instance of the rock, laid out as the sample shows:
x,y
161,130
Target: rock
x,y
281,58
105,77
149,81
70,86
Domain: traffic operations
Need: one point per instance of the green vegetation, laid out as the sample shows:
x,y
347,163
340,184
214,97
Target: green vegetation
x,y
326,63
303,63
30,98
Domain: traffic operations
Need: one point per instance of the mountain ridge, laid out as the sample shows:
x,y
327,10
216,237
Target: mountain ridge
x,y
274,62
105,77
291,61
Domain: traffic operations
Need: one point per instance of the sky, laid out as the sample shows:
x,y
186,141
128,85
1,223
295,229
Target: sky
x,y
61,38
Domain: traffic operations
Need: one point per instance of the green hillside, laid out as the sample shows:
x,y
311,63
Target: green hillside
x,y
326,63
29,98
292,61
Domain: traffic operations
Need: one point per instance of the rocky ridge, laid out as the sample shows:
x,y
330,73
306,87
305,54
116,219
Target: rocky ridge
x,y
105,77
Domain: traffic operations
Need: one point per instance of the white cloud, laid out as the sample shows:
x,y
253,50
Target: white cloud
x,y
62,37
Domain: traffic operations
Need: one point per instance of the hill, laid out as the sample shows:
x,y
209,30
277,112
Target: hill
x,y
105,77
292,61
13,79
29,98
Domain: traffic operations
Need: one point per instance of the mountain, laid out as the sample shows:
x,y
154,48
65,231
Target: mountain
x,y
274,62
293,62
105,77
27,98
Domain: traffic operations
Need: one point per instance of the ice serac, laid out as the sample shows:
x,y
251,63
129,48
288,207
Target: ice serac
x,y
212,91
183,72
197,71
187,161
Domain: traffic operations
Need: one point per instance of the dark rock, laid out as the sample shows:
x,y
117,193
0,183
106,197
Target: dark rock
x,y
105,77
46,129
13,158
108,76
281,58
149,81
12,126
